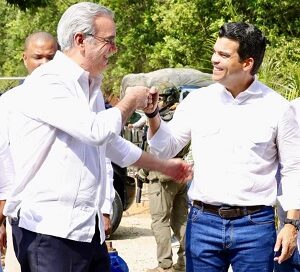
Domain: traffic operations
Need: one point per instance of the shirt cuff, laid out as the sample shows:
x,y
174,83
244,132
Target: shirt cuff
x,y
106,207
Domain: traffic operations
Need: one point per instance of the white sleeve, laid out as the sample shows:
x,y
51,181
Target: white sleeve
x,y
6,169
110,190
288,142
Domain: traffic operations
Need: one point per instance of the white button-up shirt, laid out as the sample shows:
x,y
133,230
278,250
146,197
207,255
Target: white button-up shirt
x,y
6,169
236,145
59,136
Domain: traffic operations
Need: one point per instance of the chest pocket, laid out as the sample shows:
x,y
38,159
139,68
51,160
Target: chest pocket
x,y
258,141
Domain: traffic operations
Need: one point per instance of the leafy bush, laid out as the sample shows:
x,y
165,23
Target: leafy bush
x,y
280,69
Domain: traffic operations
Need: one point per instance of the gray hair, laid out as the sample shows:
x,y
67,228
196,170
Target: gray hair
x,y
79,18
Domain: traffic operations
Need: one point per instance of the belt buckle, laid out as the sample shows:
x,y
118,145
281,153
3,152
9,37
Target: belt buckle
x,y
227,212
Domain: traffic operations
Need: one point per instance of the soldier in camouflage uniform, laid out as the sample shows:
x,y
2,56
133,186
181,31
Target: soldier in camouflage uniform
x,y
168,202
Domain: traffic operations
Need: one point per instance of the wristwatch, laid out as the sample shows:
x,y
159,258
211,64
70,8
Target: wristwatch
x,y
294,222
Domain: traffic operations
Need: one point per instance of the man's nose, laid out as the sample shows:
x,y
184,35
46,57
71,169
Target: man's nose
x,y
214,58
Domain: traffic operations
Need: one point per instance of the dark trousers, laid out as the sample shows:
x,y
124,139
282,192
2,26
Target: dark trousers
x,y
44,253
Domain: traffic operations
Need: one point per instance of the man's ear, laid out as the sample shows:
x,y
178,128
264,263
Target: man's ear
x,y
79,39
248,64
24,57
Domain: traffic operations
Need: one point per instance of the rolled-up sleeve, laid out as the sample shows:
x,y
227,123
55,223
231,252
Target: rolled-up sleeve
x,y
123,152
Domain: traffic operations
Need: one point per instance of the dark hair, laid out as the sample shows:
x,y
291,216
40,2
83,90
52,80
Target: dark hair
x,y
252,42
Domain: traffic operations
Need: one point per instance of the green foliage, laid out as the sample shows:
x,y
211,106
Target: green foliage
x,y
23,4
155,34
280,69
8,84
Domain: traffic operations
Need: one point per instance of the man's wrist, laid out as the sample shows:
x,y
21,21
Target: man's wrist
x,y
152,114
293,222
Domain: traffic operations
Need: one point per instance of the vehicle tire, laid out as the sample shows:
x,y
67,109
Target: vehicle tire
x,y
117,212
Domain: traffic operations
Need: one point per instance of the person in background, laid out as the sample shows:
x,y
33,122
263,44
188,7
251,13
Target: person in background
x,y
59,135
39,48
6,179
292,264
168,204
168,200
239,130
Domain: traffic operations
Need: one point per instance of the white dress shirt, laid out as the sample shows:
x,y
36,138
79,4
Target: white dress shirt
x,y
60,133
236,145
6,169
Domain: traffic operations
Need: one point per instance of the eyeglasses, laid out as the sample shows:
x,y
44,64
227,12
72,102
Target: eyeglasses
x,y
110,41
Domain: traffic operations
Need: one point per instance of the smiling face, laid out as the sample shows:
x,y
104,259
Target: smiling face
x,y
100,46
228,69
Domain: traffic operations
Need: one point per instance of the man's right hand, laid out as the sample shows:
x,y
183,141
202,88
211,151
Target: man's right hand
x,y
177,169
137,97
142,96
154,101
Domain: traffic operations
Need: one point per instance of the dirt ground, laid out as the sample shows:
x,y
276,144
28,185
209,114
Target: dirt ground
x,y
134,240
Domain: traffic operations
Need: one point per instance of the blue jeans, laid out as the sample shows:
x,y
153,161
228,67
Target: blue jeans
x,y
290,265
246,243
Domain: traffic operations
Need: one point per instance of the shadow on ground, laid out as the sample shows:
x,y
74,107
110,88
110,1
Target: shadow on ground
x,y
123,233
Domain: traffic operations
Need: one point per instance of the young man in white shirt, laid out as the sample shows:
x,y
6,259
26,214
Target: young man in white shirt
x,y
239,129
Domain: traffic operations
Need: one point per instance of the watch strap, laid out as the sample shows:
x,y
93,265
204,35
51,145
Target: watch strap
x,y
294,222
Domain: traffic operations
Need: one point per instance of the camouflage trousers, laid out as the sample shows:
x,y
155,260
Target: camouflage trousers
x,y
169,208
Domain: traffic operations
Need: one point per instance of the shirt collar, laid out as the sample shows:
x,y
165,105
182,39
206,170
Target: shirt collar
x,y
68,66
252,91
74,71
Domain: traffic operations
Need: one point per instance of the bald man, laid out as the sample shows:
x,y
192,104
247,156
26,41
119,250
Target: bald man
x,y
40,47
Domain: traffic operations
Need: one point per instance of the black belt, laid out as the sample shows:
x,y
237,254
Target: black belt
x,y
226,211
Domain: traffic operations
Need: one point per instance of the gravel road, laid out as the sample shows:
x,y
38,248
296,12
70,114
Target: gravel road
x,y
134,240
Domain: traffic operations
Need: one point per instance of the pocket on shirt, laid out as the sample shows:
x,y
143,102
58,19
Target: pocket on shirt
x,y
259,140
206,134
260,136
208,131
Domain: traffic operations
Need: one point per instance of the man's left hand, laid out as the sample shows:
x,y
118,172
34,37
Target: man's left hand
x,y
107,224
286,241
